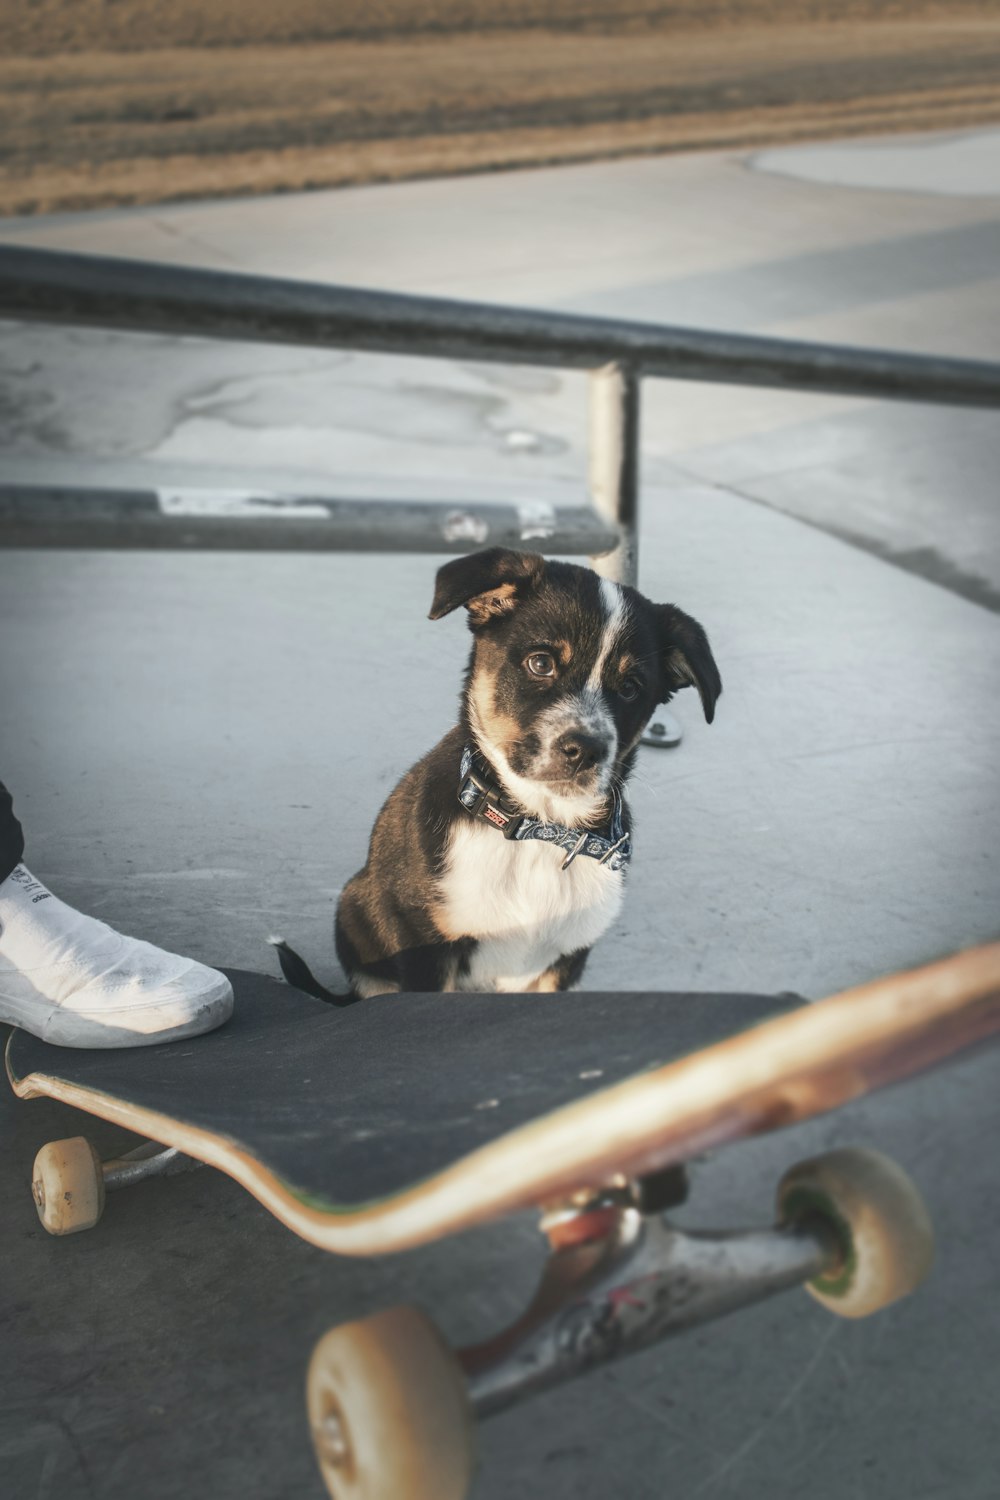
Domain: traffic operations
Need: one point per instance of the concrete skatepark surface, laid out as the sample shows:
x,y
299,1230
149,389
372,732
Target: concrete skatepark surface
x,y
198,745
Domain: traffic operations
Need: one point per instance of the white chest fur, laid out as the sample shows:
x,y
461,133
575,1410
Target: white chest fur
x,y
523,907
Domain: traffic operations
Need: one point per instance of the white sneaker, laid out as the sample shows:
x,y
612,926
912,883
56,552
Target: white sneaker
x,y
75,981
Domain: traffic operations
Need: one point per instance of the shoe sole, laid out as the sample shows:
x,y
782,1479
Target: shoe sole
x,y
64,1028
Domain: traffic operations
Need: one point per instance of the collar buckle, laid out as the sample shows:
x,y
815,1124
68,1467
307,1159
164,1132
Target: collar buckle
x,y
482,801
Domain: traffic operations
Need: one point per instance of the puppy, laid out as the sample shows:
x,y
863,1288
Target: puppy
x,y
500,858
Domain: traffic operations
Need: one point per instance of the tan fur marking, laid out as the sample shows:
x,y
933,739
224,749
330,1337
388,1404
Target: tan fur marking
x,y
499,728
439,916
545,984
368,987
498,601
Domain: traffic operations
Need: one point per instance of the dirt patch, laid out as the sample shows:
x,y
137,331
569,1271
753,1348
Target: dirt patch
x,y
109,104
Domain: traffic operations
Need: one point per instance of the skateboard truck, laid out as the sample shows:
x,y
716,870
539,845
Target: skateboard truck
x,y
618,1280
392,1407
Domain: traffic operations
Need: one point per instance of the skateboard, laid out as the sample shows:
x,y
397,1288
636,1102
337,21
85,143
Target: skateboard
x,y
394,1123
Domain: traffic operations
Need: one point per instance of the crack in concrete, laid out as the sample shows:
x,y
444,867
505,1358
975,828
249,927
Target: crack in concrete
x,y
216,398
788,1400
231,400
186,238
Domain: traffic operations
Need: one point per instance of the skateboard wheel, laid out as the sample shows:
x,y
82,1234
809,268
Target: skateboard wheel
x,y
878,1219
67,1184
389,1412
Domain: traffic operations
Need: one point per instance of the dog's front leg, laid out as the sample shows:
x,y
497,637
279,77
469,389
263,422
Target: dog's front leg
x,y
564,973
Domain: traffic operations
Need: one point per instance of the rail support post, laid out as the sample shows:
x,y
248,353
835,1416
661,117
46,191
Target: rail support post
x,y
614,465
614,493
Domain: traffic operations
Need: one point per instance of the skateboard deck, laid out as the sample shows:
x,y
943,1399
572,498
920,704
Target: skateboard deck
x,y
397,1121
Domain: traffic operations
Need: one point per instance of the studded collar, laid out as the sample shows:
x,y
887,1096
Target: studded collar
x,y
482,798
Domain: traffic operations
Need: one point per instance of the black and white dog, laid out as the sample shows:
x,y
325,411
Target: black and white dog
x,y
500,858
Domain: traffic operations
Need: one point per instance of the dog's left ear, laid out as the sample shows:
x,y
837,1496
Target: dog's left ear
x,y
488,583
686,658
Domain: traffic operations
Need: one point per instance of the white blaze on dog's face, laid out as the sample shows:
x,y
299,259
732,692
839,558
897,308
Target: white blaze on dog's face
x,y
565,673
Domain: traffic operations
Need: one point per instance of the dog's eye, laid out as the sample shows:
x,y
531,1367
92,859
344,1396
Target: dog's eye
x,y
541,664
630,689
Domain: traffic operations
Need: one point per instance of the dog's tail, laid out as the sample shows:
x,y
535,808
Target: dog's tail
x,y
299,974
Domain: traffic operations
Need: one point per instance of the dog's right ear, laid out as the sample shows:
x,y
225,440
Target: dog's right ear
x,y
488,583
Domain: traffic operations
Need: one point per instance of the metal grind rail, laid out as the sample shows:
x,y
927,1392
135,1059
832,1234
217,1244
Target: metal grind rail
x,y
46,286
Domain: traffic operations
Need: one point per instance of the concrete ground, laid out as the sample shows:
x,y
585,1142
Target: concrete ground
x,y
197,746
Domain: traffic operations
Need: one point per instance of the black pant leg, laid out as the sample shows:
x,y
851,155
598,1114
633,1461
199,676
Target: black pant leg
x,y
11,837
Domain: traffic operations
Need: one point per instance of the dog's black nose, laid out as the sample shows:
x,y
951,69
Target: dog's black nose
x,y
580,750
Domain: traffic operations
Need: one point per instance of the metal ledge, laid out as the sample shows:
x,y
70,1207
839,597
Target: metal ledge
x,y
63,516
55,287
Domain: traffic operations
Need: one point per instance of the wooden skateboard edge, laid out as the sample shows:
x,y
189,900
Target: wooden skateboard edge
x,y
780,1072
